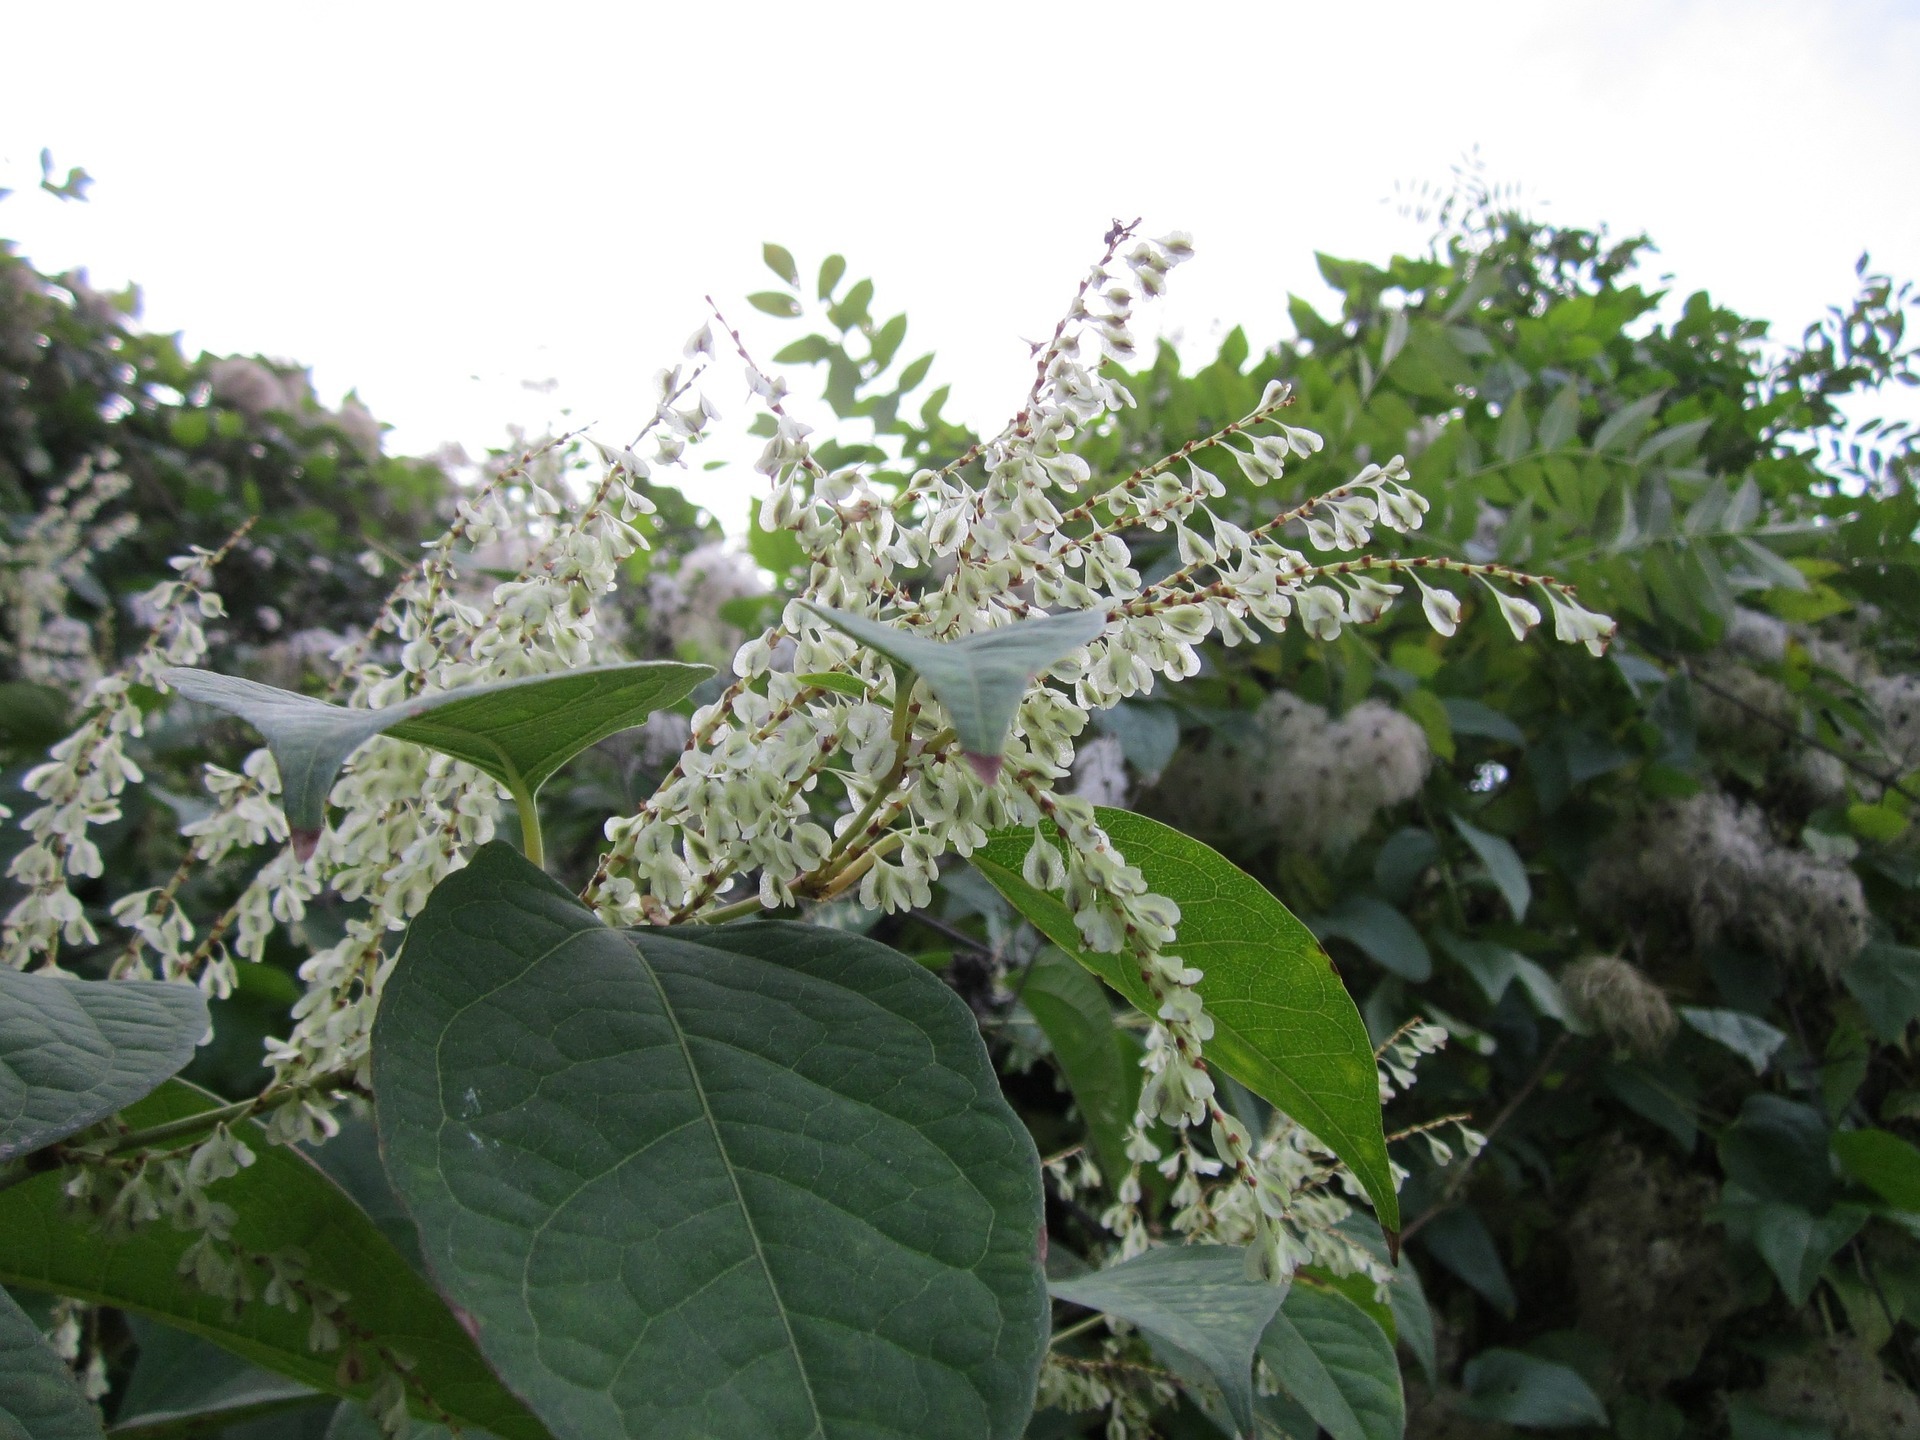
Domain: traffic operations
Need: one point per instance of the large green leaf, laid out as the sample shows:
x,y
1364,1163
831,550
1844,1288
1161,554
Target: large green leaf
x,y
979,678
1101,1061
281,1202
1523,1389
74,1051
183,1385
38,1399
750,1181
1196,1298
1795,1243
1884,1161
1336,1362
517,731
1284,1026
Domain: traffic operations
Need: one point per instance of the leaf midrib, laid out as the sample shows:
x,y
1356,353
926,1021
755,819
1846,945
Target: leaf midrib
x,y
733,1180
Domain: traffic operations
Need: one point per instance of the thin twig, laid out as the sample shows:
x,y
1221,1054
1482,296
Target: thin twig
x,y
1460,1176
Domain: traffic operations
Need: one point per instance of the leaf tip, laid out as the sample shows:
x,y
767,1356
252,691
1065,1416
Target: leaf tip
x,y
987,767
305,842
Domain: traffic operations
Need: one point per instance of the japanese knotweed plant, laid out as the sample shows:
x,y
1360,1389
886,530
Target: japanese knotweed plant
x,y
683,1168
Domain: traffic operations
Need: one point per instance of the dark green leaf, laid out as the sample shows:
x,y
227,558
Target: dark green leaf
x,y
1748,1036
74,1051
1337,1363
1884,1162
38,1399
1101,1067
1747,1421
752,1180
780,260
1196,1298
1148,734
1885,979
1413,1318
1284,1026
1795,1244
979,678
1473,717
773,302
1522,1389
1776,1149
1382,932
281,1202
32,716
183,1385
1666,1097
1504,866
1458,1239
517,731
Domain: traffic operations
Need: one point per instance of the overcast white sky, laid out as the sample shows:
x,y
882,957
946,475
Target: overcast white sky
x,y
435,203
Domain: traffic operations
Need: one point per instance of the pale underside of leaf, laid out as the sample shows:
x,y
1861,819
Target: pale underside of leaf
x,y
979,678
74,1051
518,731
1196,1298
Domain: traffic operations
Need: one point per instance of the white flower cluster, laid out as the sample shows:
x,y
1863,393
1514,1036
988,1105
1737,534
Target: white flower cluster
x,y
959,552
410,817
245,814
41,562
84,776
1296,774
684,601
1714,865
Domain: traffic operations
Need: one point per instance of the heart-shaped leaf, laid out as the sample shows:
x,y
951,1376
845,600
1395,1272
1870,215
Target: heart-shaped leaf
x,y
281,1202
38,1399
1284,1025
1196,1298
756,1180
1523,1389
1336,1362
1883,1161
517,731
74,1051
979,678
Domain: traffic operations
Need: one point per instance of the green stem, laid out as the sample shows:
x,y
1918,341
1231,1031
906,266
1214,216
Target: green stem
x,y
531,840
1078,1328
749,906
